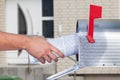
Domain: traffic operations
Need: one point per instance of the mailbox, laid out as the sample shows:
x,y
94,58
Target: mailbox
x,y
105,51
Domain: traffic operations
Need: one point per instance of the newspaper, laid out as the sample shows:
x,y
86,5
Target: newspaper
x,y
68,45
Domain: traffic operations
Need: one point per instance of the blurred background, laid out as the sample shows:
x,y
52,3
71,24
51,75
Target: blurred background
x,y
50,18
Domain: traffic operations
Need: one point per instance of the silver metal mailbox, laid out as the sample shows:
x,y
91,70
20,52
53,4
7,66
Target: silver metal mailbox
x,y
106,49
104,52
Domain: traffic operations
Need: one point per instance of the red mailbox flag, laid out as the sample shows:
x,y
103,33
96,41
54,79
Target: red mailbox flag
x,y
95,12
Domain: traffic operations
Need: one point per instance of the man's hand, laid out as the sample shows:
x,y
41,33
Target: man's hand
x,y
42,50
37,46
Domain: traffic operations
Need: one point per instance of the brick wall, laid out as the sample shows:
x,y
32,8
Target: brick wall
x,y
67,12
2,26
2,15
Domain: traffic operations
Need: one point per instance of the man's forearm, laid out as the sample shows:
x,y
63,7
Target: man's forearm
x,y
10,41
37,46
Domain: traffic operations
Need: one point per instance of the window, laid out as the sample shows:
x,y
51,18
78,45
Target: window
x,y
47,8
21,22
47,18
48,29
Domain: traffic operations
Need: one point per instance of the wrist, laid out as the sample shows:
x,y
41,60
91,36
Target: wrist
x,y
30,41
25,43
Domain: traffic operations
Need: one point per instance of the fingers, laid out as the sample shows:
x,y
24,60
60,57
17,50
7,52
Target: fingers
x,y
47,58
57,51
53,57
50,56
42,60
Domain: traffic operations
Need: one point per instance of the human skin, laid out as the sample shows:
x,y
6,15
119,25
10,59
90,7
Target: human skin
x,y
37,46
68,44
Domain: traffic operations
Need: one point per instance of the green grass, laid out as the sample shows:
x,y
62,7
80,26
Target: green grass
x,y
9,78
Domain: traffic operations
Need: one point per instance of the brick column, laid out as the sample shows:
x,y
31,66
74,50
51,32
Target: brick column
x,y
2,15
2,27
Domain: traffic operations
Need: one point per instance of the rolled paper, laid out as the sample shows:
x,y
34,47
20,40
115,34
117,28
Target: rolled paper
x,y
68,45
